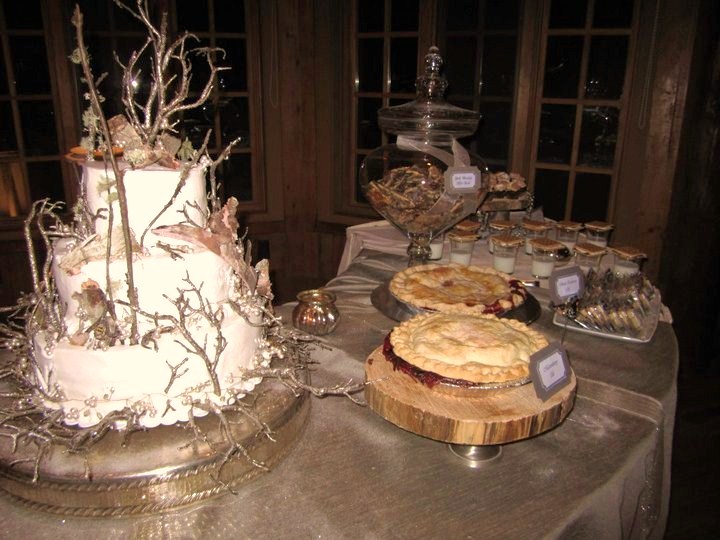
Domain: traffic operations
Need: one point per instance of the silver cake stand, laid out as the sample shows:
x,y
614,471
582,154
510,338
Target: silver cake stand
x,y
156,469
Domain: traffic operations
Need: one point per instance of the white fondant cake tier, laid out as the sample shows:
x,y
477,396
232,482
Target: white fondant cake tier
x,y
147,191
158,279
90,384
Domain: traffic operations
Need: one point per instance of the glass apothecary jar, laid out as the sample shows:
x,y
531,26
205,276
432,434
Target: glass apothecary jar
x,y
425,182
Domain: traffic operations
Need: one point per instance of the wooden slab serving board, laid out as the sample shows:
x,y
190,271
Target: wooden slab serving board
x,y
496,416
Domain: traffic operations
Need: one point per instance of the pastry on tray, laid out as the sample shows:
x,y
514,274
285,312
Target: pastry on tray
x,y
463,348
444,287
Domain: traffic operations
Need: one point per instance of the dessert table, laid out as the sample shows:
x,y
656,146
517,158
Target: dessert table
x,y
603,473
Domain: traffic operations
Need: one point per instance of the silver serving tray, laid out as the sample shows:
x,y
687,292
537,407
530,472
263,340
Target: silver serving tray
x,y
159,468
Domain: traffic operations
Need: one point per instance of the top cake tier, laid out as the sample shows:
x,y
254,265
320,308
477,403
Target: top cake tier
x,y
148,190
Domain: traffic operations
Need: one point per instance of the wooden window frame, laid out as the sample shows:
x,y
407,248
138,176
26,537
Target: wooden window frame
x,y
580,102
337,73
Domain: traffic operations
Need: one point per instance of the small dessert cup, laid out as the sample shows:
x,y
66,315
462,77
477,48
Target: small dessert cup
x,y
567,233
461,247
544,256
436,248
598,232
628,260
588,256
496,227
533,229
505,252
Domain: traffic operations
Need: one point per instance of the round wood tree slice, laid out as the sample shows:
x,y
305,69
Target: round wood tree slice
x,y
496,416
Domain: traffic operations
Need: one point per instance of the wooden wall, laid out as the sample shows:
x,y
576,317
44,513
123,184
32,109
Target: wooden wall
x,y
690,274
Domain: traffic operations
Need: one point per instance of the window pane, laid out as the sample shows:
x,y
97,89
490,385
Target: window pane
x,y
501,15
192,15
7,129
200,70
590,201
462,14
613,14
404,16
371,16
556,131
229,16
235,175
101,61
403,64
368,132
38,121
498,68
370,65
234,79
24,15
562,66
568,13
112,87
95,15
195,123
359,196
31,66
550,192
235,121
124,21
392,102
598,136
45,179
493,135
606,69
460,66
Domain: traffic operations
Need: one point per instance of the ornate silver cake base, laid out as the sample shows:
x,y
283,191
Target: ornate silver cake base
x,y
157,469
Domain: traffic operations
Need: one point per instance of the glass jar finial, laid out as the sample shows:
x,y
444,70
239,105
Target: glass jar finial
x,y
431,84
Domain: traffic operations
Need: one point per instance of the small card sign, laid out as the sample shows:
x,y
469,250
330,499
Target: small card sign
x,y
462,179
566,284
549,370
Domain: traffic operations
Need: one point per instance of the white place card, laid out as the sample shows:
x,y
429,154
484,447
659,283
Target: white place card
x,y
566,284
462,179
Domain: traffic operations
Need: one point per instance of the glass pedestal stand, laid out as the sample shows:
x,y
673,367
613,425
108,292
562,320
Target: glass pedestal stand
x,y
419,249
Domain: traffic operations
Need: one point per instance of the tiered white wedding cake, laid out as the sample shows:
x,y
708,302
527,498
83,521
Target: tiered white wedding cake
x,y
199,307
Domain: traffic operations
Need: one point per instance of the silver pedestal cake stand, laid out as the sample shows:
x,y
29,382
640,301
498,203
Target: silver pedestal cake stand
x,y
160,468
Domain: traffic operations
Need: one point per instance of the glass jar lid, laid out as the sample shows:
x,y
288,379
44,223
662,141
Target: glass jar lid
x,y
628,253
502,225
537,226
507,240
429,113
598,226
568,225
546,245
586,248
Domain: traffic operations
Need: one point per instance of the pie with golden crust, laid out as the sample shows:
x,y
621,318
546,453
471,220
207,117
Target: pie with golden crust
x,y
468,346
443,287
